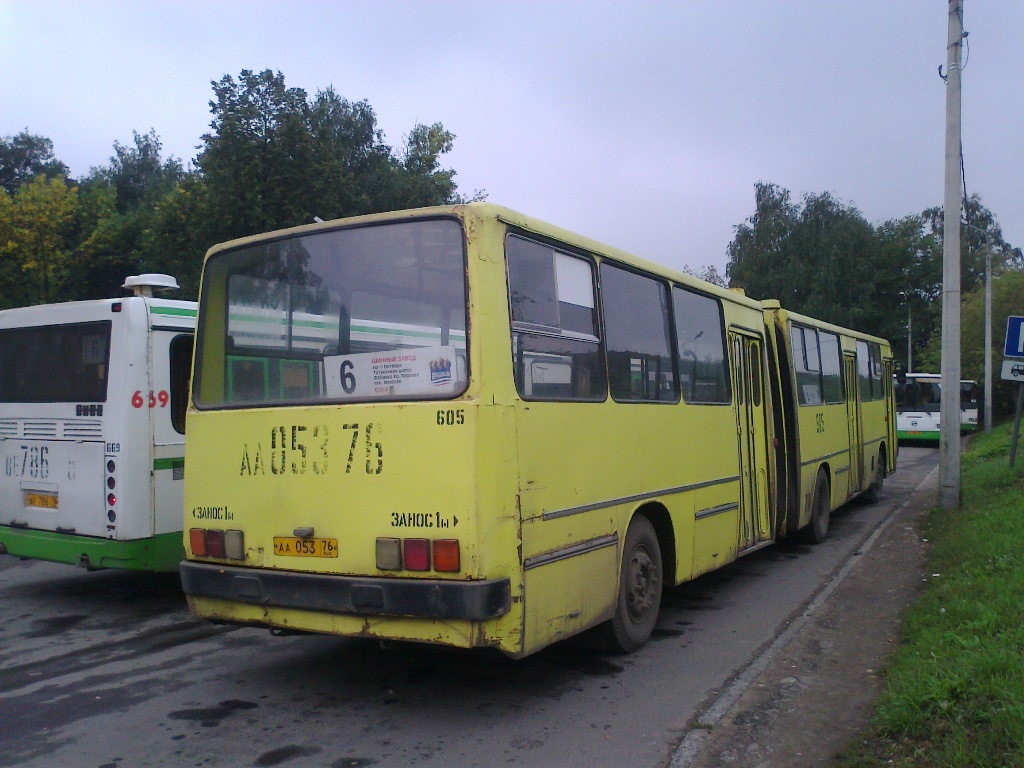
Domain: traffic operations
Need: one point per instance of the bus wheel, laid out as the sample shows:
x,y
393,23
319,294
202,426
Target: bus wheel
x,y
821,509
640,584
874,491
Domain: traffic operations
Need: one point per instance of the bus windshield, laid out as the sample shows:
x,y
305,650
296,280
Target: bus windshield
x,y
918,395
361,313
55,363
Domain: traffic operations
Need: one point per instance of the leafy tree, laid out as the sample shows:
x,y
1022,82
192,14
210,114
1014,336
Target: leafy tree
x,y
257,155
1007,299
978,230
25,156
820,258
179,235
425,183
42,212
759,258
276,159
708,274
138,175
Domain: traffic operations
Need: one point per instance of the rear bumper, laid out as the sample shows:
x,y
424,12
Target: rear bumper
x,y
421,598
158,553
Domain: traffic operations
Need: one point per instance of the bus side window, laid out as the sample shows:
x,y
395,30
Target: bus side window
x,y
640,362
556,351
831,368
180,350
700,348
807,365
864,372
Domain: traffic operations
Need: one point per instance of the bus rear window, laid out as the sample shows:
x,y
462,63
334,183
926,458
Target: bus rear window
x,y
364,313
55,363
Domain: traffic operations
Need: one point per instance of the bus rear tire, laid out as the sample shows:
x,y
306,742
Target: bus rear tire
x,y
874,491
821,510
640,587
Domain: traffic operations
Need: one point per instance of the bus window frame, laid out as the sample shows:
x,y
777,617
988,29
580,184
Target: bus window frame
x,y
520,328
227,352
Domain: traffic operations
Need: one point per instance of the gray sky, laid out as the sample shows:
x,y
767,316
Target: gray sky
x,y
641,124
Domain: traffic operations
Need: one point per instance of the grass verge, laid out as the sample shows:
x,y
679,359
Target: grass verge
x,y
954,692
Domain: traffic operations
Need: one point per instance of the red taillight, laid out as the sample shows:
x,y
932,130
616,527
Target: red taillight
x,y
417,554
111,499
215,544
197,541
446,555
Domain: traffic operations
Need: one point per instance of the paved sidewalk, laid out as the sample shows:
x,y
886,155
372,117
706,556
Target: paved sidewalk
x,y
812,691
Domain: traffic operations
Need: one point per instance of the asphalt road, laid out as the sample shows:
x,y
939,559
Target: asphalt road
x,y
109,670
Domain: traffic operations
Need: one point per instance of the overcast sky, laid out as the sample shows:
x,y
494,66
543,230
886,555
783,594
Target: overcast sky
x,y
641,124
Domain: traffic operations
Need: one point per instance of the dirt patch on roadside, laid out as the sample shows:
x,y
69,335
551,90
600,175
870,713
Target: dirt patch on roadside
x,y
816,694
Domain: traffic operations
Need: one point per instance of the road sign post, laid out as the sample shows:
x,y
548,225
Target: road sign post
x,y
1013,370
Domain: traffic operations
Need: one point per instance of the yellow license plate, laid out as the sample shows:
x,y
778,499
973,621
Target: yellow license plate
x,y
290,546
46,500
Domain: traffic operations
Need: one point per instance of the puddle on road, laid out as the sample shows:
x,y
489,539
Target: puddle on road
x,y
211,717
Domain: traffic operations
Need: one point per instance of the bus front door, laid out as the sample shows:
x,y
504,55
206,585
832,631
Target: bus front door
x,y
752,432
854,424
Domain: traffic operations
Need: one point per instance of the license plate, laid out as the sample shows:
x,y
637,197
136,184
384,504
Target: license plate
x,y
290,546
45,500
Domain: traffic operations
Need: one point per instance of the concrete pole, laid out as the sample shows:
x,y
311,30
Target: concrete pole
x,y
988,336
949,434
910,338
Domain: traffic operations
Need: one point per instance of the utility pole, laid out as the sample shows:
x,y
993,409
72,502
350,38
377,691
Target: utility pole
x,y
988,335
949,435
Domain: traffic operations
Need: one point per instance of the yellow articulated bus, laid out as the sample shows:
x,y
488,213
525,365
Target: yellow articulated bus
x,y
464,426
835,428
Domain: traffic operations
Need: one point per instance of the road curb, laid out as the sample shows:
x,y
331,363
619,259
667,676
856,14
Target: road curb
x,y
712,714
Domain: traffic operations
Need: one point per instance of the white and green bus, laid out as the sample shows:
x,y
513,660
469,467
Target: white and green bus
x,y
919,402
92,428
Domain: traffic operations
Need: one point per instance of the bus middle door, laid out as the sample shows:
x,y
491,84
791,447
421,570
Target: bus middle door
x,y
854,423
752,434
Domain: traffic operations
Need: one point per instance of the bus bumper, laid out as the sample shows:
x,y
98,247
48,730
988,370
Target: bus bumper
x,y
159,553
419,598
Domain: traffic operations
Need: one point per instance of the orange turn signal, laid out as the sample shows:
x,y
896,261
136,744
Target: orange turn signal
x,y
446,555
197,541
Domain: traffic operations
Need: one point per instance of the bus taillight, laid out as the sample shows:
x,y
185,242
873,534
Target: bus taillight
x,y
446,555
418,555
228,545
197,541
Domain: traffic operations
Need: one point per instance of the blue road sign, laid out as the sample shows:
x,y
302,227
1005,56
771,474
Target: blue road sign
x,y
1014,346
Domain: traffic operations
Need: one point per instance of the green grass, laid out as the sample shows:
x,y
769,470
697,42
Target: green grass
x,y
954,693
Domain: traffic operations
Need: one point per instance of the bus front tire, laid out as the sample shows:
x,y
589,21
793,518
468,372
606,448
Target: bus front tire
x,y
640,586
821,510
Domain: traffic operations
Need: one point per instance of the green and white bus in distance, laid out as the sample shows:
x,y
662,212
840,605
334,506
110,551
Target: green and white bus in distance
x,y
919,402
92,428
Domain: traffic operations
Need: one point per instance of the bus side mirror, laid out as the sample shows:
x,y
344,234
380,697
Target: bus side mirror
x,y
901,376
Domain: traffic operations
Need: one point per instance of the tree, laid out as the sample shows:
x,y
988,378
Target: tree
x,y
137,174
819,258
25,156
258,154
41,215
1007,299
979,230
276,159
